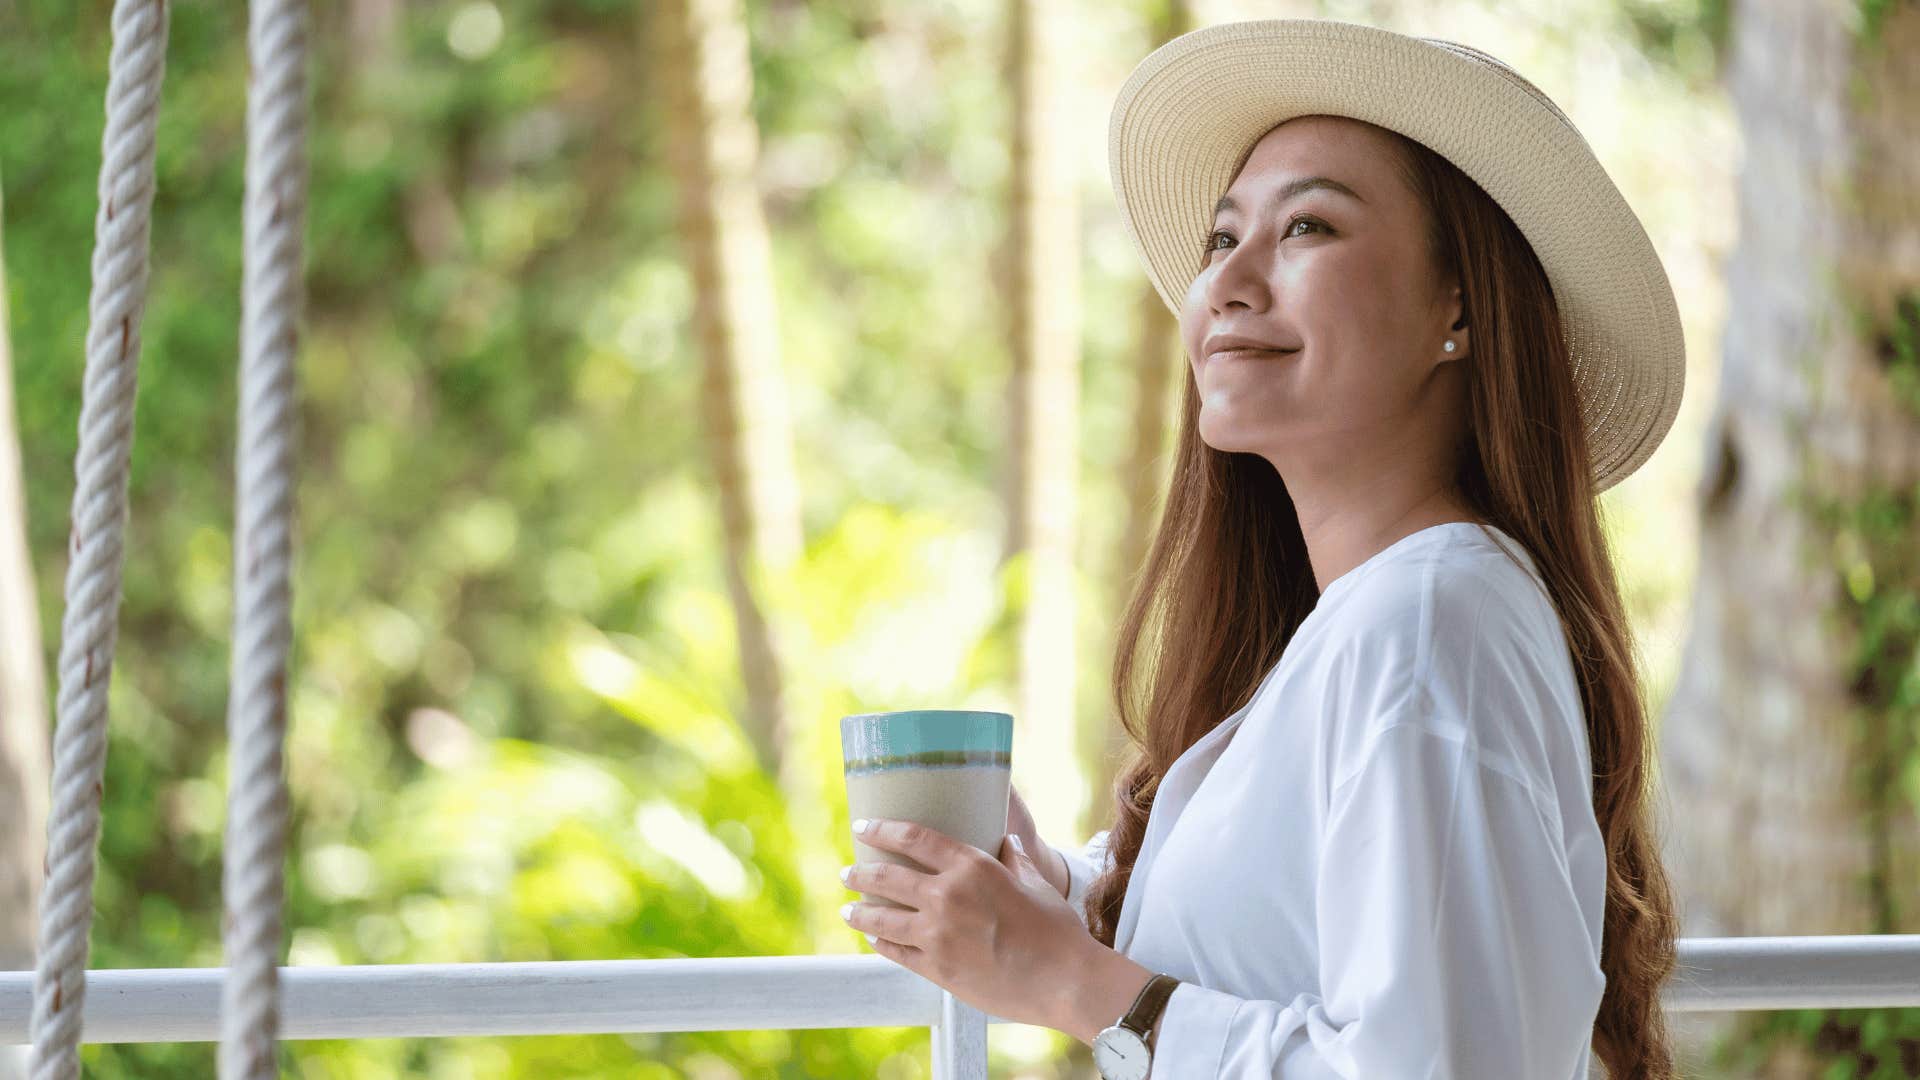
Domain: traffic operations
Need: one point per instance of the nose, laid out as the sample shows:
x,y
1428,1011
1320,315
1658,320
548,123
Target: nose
x,y
1239,273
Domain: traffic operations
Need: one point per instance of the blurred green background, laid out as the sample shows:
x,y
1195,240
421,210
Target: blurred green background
x,y
513,728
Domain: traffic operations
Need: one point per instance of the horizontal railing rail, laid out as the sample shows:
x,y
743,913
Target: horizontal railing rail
x,y
797,992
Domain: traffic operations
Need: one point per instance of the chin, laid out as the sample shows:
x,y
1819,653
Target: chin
x,y
1223,435
1229,437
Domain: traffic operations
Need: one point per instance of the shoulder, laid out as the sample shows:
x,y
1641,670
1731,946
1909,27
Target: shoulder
x,y
1439,597
1457,577
1456,636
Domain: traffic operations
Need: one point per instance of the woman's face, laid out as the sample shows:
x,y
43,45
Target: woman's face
x,y
1340,280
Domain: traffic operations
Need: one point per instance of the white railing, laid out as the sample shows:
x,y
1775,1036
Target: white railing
x,y
794,992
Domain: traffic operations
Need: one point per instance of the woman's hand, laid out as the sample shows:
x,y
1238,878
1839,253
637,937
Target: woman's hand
x,y
1020,824
993,932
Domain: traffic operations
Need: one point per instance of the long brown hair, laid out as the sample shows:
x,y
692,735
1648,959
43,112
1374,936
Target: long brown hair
x,y
1523,468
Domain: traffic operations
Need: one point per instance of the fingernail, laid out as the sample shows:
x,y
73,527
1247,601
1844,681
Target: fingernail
x,y
1018,847
846,872
869,939
860,826
846,909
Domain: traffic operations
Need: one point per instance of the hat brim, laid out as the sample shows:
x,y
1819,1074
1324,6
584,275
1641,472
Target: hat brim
x,y
1189,113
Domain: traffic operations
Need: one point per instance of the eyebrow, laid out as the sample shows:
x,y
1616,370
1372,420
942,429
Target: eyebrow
x,y
1291,189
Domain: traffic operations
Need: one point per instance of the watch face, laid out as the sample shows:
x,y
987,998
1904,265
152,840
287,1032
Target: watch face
x,y
1120,1054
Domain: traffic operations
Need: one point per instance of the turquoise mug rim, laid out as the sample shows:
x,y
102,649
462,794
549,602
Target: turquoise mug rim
x,y
926,737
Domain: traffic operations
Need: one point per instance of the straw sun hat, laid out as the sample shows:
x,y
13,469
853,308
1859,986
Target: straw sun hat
x,y
1187,117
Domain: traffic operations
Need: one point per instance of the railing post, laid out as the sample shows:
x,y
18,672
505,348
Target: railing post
x,y
959,1041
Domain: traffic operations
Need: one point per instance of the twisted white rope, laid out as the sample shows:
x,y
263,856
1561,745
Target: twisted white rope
x,y
89,624
271,302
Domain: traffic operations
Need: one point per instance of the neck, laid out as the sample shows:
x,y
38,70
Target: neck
x,y
1341,535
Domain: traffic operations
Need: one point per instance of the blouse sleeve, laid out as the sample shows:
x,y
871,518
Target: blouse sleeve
x,y
1083,865
1451,940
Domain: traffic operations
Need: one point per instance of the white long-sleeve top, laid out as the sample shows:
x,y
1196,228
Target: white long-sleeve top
x,y
1386,865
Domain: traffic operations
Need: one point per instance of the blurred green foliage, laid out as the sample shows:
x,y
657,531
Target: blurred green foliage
x,y
514,671
514,678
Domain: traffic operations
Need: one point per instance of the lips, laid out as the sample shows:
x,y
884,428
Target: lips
x,y
1228,344
1249,354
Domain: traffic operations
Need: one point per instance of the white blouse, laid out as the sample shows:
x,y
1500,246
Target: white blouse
x,y
1386,865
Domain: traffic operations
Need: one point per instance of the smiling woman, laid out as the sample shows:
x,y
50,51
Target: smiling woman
x,y
1377,660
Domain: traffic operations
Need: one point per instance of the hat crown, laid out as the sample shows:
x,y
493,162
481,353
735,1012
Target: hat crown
x,y
1504,69
1186,117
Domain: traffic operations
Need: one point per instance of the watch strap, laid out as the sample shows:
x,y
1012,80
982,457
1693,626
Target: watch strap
x,y
1149,1004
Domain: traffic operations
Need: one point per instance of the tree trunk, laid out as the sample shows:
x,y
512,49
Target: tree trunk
x,y
373,27
1159,365
1787,728
24,764
703,61
1043,391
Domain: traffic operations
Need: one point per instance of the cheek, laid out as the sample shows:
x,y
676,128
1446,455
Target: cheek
x,y
1193,317
1352,333
1374,301
1192,330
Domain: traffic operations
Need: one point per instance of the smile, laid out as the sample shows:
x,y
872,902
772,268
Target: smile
x,y
1249,354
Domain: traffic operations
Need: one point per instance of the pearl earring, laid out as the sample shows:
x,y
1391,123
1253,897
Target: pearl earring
x,y
1449,345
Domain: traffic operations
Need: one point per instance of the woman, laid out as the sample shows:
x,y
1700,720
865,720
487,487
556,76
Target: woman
x,y
1425,332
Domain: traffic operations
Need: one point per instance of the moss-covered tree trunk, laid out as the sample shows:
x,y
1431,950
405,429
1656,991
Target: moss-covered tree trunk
x,y
1789,745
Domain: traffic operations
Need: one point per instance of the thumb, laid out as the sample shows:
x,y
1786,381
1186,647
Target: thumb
x,y
1014,855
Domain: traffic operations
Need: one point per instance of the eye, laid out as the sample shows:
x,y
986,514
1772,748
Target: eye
x,y
1209,247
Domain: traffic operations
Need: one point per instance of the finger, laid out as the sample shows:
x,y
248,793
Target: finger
x,y
1018,857
929,847
899,883
876,921
905,955
1014,856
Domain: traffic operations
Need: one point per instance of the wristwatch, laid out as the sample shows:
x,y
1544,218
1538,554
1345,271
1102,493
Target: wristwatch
x,y
1121,1051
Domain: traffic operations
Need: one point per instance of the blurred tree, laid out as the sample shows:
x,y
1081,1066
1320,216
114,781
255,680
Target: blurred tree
x,y
707,79
23,697
1793,727
512,727
1042,300
1159,368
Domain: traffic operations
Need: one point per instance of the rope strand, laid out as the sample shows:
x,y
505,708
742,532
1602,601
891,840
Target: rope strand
x,y
271,300
89,623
